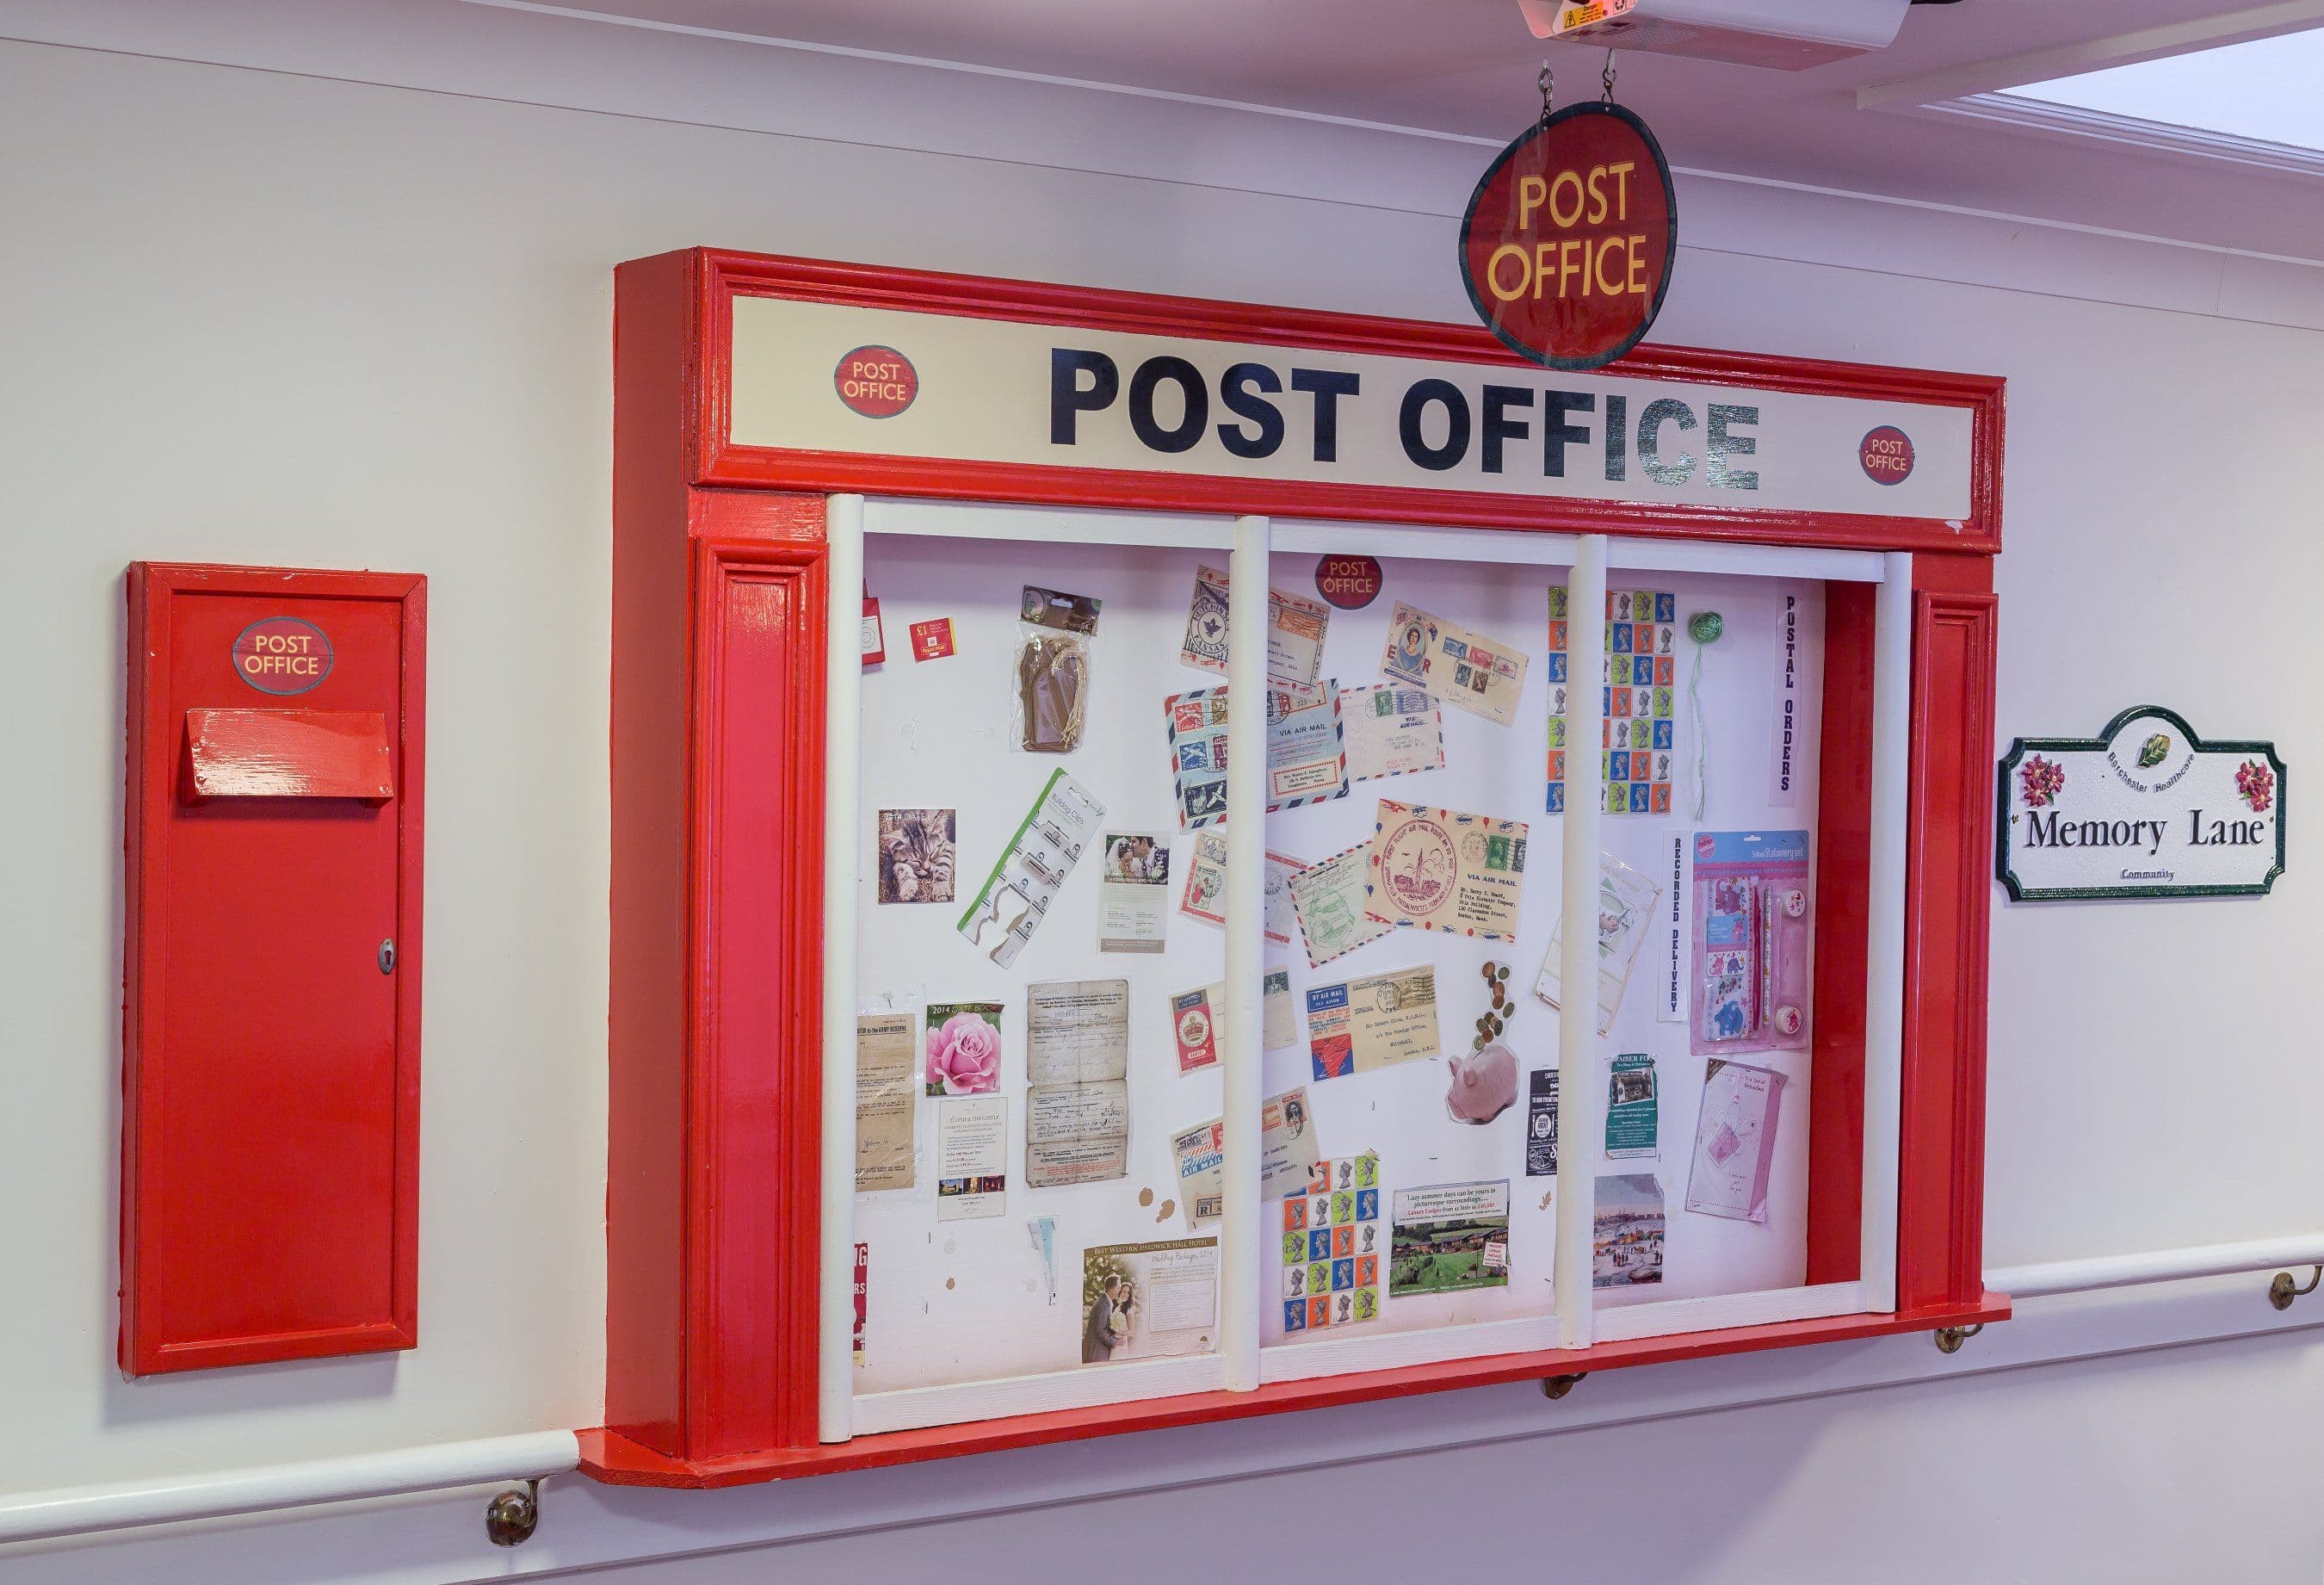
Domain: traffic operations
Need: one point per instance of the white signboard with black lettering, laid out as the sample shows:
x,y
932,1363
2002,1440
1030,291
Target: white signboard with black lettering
x,y
2146,809
833,379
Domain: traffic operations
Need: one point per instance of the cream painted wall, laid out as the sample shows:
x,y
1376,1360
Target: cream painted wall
x,y
255,316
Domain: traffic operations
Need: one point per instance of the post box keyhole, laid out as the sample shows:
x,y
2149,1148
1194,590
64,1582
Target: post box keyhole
x,y
387,956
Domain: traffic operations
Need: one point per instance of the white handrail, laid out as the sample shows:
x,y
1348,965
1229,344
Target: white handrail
x,y
80,1510
2158,1266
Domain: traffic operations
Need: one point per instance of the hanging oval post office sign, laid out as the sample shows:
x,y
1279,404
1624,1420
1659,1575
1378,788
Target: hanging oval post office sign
x,y
2146,809
1567,245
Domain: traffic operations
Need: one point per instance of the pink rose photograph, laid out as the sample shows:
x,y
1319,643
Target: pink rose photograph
x,y
963,1048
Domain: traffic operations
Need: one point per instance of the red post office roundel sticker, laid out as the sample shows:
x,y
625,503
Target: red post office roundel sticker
x,y
1349,582
1886,455
283,654
1567,245
877,382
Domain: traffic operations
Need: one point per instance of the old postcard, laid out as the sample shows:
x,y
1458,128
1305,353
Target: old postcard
x,y
1278,1018
1201,1154
1287,1143
1197,1020
1625,905
1449,1238
1735,1141
1076,1061
1194,1025
1468,670
1331,1244
972,1157
1133,888
1204,896
1329,898
1626,1238
1295,631
1391,732
1437,869
884,1101
1150,1301
1361,1025
1306,761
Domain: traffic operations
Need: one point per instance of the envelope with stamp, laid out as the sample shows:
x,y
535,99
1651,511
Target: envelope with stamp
x,y
1377,1022
1470,671
1439,869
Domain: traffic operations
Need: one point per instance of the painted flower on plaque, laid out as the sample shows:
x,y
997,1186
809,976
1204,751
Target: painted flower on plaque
x,y
2256,782
2041,780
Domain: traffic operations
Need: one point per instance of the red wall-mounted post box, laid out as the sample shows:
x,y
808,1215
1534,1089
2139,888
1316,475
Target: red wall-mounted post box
x,y
271,1026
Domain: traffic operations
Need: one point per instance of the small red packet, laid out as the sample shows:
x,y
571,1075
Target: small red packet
x,y
932,640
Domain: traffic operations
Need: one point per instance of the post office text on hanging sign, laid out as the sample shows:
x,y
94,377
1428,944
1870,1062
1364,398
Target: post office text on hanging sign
x,y
1012,392
2146,809
1568,242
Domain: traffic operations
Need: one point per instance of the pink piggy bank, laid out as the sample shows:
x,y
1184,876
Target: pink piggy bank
x,y
1484,1085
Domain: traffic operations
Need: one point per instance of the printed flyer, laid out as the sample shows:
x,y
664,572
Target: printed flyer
x,y
1449,1238
1150,1301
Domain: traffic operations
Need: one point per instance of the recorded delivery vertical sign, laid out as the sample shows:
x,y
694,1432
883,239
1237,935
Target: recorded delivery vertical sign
x,y
2146,809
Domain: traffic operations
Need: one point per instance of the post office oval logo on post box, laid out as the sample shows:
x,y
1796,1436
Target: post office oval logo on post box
x,y
877,382
283,654
1567,245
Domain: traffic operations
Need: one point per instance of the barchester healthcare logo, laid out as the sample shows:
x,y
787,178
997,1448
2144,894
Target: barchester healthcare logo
x,y
877,382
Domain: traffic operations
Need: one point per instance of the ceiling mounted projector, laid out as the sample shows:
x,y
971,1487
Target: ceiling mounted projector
x,y
1787,35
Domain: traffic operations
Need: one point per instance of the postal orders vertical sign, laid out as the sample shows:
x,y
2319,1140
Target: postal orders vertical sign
x,y
1567,244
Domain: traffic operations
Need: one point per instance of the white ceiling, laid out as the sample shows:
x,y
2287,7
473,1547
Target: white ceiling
x,y
1469,66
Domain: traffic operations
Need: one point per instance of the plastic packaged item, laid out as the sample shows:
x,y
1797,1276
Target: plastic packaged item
x,y
1752,934
1056,633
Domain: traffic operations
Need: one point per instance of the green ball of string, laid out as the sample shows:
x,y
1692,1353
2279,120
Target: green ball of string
x,y
1705,627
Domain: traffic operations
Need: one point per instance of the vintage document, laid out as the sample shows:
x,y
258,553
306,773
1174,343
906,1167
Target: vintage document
x,y
1287,1145
1626,906
1201,1154
1436,870
884,1086
1329,899
1468,670
1377,1022
1204,896
1735,1141
1306,762
1278,1019
1295,631
1391,732
1331,1244
1015,896
1133,889
1194,1025
1306,756
1076,1065
972,1157
1149,1300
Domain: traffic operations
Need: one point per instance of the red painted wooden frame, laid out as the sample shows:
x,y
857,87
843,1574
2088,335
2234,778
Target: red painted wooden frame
x,y
720,606
345,1278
